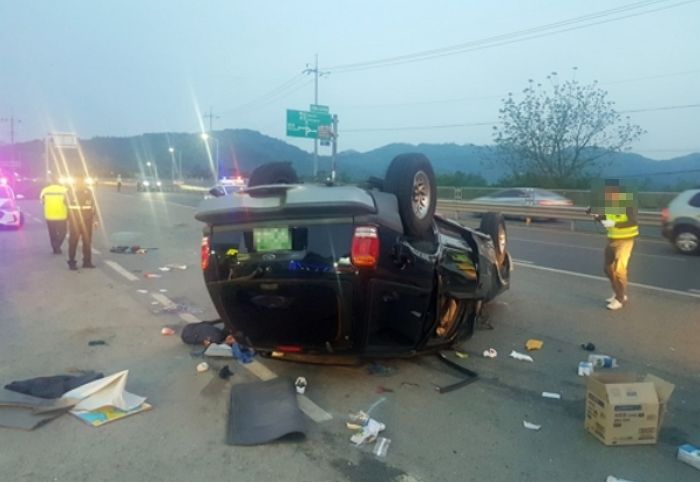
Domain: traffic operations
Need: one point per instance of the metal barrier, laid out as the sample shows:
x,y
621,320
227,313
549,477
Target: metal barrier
x,y
645,218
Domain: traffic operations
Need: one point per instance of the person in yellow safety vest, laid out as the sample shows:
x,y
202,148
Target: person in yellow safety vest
x,y
620,219
53,197
82,214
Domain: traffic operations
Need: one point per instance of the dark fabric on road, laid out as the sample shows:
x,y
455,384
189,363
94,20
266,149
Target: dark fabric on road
x,y
53,386
197,333
262,412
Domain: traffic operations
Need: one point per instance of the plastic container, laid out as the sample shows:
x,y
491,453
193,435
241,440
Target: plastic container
x,y
602,361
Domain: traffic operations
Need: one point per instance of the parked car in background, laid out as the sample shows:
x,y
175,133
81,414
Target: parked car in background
x,y
317,270
144,184
680,222
226,187
525,196
10,214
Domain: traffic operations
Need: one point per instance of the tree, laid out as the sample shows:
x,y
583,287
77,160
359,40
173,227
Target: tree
x,y
560,133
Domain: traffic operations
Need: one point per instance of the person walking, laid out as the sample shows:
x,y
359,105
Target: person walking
x,y
82,214
53,197
619,218
119,183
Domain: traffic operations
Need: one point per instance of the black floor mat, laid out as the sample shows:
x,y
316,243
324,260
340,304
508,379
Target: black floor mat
x,y
264,411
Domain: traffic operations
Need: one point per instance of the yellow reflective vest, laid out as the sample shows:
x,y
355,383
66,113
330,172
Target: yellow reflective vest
x,y
625,224
53,197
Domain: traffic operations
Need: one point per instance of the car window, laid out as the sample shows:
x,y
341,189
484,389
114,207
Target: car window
x,y
695,200
507,193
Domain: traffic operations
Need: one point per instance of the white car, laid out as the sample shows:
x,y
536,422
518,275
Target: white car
x,y
10,214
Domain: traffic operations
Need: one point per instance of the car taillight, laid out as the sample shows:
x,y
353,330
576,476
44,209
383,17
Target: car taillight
x,y
664,215
365,247
205,253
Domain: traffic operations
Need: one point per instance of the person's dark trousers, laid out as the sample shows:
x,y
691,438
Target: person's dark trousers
x,y
57,234
80,228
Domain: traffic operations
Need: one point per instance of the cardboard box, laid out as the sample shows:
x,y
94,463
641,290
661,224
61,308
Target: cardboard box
x,y
622,409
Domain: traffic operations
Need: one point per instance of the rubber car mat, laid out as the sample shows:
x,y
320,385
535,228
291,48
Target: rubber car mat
x,y
262,412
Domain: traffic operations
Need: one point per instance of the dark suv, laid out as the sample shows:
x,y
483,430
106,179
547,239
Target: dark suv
x,y
332,270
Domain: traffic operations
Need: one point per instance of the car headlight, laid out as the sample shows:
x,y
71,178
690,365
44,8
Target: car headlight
x,y
158,183
146,183
89,181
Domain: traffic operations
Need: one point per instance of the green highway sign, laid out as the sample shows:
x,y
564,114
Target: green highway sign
x,y
301,123
319,108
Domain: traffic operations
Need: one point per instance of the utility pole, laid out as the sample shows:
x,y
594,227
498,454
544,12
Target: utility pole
x,y
211,118
335,147
317,74
11,120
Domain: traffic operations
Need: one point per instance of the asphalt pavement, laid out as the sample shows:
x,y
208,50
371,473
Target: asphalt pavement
x,y
49,315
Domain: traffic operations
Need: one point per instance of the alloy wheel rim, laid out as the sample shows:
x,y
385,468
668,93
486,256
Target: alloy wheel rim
x,y
420,201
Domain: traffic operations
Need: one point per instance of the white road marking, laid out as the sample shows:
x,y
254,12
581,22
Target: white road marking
x,y
597,248
523,261
693,290
163,300
189,317
260,370
121,270
313,411
602,278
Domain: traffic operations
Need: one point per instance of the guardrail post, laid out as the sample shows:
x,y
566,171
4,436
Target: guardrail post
x,y
572,225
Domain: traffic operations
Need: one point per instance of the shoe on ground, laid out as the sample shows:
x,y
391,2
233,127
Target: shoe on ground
x,y
88,265
610,300
72,266
614,305
57,251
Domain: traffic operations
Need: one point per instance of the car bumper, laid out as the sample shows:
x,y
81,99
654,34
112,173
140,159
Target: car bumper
x,y
667,230
10,218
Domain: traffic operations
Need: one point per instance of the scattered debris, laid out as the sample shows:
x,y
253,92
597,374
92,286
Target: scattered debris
x,y
612,478
222,350
242,354
490,353
410,384
143,292
585,369
154,303
469,375
531,426
690,455
367,429
167,331
588,346
163,290
602,361
164,268
381,447
376,368
533,344
130,249
300,385
382,389
202,367
96,342
203,333
553,395
461,354
181,267
521,356
152,275
52,386
225,373
105,400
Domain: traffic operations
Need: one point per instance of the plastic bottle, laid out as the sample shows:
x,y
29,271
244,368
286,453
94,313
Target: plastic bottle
x,y
602,361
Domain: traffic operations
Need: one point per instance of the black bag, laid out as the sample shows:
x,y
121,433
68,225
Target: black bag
x,y
197,333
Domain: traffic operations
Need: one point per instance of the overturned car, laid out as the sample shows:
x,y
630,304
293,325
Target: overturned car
x,y
326,270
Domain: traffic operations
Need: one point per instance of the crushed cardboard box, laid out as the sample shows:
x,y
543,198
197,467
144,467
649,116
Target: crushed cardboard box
x,y
623,409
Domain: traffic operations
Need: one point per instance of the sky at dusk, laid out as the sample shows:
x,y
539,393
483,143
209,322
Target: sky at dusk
x,y
393,71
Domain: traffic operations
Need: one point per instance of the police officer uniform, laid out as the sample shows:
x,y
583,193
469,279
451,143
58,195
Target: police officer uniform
x,y
81,216
53,197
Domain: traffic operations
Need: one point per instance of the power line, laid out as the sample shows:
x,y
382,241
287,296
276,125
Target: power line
x,y
273,93
513,37
656,109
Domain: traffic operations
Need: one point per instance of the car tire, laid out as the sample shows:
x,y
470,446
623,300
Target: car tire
x,y
273,173
411,179
686,240
494,225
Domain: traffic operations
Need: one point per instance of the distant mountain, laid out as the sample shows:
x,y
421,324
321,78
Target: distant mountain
x,y
244,149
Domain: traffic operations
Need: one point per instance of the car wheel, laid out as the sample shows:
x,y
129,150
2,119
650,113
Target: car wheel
x,y
273,173
411,179
494,225
687,240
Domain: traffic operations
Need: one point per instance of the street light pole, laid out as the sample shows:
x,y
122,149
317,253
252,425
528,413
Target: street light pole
x,y
172,163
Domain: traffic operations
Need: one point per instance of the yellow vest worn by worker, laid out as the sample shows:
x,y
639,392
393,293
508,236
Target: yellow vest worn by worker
x,y
53,197
625,224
